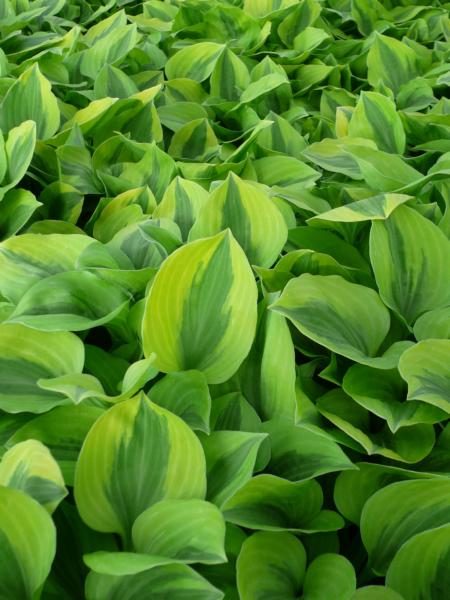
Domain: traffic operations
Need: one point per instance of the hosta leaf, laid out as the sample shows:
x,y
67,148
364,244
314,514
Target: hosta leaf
x,y
391,62
255,221
123,563
194,62
108,49
230,460
30,257
63,431
185,394
433,324
27,545
426,369
386,397
347,318
409,256
271,565
31,97
19,148
184,530
170,581
194,141
201,310
29,466
70,301
273,504
375,118
182,202
17,207
376,592
374,208
28,355
299,454
399,511
230,76
431,550
171,463
329,576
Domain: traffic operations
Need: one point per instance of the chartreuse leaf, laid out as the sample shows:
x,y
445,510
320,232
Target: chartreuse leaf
x,y
433,324
18,152
230,461
194,141
329,576
108,49
391,62
168,458
230,76
429,549
374,208
62,430
345,317
201,310
186,394
298,454
171,581
191,531
385,397
426,369
375,118
31,98
27,545
394,514
182,202
255,221
194,62
70,301
410,257
29,466
27,355
273,504
17,207
376,592
123,563
30,257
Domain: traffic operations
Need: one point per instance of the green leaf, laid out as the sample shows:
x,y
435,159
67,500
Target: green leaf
x,y
108,49
391,63
273,504
409,256
19,148
270,565
347,318
230,460
29,466
253,218
429,549
62,430
329,576
27,545
194,141
299,454
121,564
192,531
230,76
194,62
31,97
27,355
170,461
426,369
394,514
70,301
376,592
201,310
375,118
386,397
374,208
17,206
185,394
31,257
433,324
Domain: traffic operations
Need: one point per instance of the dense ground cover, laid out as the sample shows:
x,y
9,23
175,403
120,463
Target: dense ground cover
x,y
224,300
